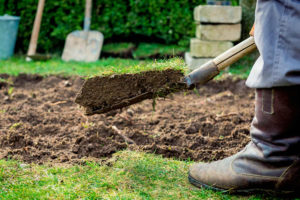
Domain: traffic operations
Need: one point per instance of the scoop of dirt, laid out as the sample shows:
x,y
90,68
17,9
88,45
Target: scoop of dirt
x,y
105,93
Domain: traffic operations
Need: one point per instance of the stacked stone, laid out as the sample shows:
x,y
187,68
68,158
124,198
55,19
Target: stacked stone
x,y
217,27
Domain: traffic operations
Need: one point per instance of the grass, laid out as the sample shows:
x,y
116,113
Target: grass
x,y
17,65
107,66
130,175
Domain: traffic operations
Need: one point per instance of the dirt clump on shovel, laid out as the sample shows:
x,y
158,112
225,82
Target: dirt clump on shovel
x,y
104,93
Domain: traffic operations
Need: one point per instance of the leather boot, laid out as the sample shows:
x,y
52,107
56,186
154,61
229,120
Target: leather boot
x,y
271,161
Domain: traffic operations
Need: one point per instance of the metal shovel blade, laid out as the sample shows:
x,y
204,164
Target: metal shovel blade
x,y
83,46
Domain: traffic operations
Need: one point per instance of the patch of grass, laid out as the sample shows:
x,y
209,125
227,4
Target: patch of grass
x,y
15,126
130,175
146,50
10,91
2,80
174,63
18,65
117,47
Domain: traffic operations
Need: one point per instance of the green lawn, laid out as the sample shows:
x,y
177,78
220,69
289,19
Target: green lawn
x,y
128,175
15,66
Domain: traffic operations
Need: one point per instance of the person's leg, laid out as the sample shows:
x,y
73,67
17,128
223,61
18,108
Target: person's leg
x,y
271,161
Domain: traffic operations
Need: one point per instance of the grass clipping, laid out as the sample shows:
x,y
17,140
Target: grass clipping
x,y
101,94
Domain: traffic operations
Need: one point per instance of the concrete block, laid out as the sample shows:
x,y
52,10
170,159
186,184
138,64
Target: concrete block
x,y
208,49
220,32
218,14
193,62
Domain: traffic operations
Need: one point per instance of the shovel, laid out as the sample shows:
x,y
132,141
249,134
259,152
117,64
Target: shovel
x,y
84,45
31,54
97,97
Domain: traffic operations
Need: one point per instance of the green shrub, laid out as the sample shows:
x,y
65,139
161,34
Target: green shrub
x,y
165,21
248,16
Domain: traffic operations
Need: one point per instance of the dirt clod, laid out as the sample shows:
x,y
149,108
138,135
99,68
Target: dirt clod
x,y
41,123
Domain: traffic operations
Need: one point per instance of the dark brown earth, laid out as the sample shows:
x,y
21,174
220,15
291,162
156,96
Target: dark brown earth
x,y
101,94
39,122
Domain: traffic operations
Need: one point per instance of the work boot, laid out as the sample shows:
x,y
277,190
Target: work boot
x,y
271,161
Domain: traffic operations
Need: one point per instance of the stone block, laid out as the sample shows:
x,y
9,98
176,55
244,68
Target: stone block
x,y
208,49
220,32
193,62
218,14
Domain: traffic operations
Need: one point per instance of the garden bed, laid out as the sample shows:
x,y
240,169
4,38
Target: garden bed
x,y
40,122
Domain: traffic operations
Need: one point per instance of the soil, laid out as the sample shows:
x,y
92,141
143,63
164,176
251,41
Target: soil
x,y
40,123
101,94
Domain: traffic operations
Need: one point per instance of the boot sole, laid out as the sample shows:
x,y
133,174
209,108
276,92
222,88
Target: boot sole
x,y
242,192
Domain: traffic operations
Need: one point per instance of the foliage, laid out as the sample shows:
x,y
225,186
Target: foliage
x,y
248,16
127,175
164,21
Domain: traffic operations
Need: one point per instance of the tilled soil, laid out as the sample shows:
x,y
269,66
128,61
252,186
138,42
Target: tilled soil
x,y
39,122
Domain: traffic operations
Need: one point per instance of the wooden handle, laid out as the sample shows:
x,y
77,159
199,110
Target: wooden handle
x,y
36,28
235,53
88,15
209,70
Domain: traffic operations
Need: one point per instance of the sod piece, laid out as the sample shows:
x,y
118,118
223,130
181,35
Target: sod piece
x,y
114,89
104,93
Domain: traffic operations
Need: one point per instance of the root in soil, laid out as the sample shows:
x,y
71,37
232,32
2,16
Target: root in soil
x,y
39,122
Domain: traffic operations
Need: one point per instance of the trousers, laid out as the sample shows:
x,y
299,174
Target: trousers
x,y
277,36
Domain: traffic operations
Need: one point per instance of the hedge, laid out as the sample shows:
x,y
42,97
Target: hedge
x,y
163,21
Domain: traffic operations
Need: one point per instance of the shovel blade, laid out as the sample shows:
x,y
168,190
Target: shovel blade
x,y
83,46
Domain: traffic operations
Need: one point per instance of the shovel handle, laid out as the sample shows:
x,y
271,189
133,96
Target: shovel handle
x,y
87,15
209,70
36,28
